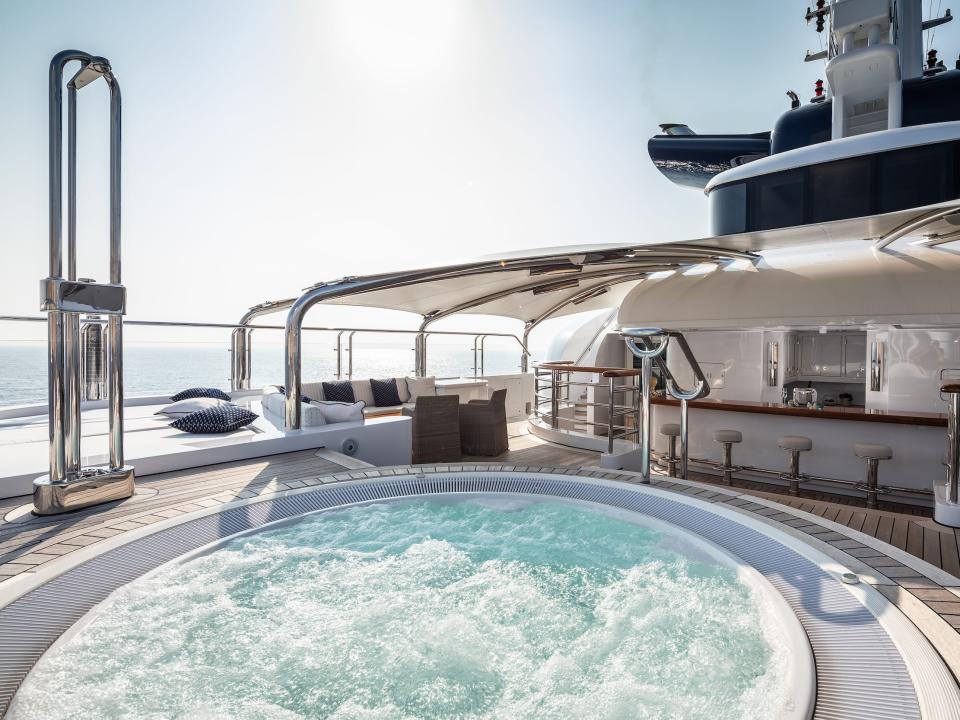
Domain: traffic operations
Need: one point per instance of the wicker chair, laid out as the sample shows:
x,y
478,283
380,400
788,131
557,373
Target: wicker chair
x,y
436,429
483,426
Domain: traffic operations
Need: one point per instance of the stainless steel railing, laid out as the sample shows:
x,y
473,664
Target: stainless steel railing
x,y
650,345
552,384
952,390
241,342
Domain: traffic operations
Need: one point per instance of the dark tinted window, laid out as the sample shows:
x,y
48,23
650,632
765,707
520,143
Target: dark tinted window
x,y
777,201
916,176
840,190
728,209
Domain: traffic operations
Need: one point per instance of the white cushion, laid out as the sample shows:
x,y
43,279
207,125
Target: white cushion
x,y
869,450
727,436
190,405
363,392
795,442
421,387
338,412
312,390
274,405
402,390
670,429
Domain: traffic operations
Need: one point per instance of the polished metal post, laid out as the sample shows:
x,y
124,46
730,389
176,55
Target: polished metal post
x,y
350,354
646,368
115,322
555,399
71,338
953,442
420,354
611,388
339,349
684,438
872,466
475,339
483,340
525,343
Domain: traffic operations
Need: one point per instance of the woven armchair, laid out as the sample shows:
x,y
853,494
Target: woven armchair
x,y
436,429
483,426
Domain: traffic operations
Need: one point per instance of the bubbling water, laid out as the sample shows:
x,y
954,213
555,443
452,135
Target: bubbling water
x,y
425,609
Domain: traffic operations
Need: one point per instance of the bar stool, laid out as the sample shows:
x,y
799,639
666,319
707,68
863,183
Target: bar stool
x,y
672,431
794,444
727,438
873,454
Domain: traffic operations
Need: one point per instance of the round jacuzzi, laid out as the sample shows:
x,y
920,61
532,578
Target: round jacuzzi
x,y
471,595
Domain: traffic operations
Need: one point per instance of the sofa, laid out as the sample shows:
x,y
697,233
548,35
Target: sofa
x,y
315,413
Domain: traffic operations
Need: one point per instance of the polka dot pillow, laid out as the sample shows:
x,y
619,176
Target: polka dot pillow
x,y
199,392
223,419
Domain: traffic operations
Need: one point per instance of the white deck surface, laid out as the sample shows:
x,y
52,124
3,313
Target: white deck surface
x,y
151,446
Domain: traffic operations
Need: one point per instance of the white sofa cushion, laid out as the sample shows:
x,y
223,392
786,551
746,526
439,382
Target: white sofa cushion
x,y
312,390
362,392
190,405
421,387
402,390
338,412
274,406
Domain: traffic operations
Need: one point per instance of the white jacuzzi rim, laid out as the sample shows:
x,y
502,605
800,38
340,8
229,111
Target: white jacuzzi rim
x,y
405,478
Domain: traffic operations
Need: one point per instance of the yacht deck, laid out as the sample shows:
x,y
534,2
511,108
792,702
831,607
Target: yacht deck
x,y
909,558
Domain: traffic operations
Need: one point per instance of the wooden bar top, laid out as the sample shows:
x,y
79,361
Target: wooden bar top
x,y
607,372
831,412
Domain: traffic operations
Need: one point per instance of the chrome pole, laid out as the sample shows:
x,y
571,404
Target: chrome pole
x,y
339,350
684,438
475,338
350,354
953,442
115,322
71,338
646,368
555,399
483,340
525,353
611,388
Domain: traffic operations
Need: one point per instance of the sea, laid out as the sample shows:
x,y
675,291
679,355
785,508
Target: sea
x,y
165,368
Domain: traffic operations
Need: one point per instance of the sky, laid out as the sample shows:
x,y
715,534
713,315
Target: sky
x,y
271,145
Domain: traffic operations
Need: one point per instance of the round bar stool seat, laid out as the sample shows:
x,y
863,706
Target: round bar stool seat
x,y
873,454
794,444
869,450
797,443
727,438
671,431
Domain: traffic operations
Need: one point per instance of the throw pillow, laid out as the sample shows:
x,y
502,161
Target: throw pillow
x,y
340,391
223,419
190,405
421,387
338,412
199,392
385,393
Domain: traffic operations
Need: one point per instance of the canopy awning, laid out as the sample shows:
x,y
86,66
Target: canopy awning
x,y
527,286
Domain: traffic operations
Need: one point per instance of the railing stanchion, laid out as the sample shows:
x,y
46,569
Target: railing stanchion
x,y
953,443
610,424
684,437
555,399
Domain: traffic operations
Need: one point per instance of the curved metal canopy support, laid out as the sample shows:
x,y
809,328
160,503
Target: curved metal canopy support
x,y
585,294
604,261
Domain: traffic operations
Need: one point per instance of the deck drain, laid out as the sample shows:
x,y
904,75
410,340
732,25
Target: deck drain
x,y
850,578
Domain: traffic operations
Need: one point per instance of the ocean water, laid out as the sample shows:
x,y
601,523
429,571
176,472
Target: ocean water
x,y
426,610
152,369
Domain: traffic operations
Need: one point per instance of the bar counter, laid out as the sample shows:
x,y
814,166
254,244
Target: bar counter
x,y
832,412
